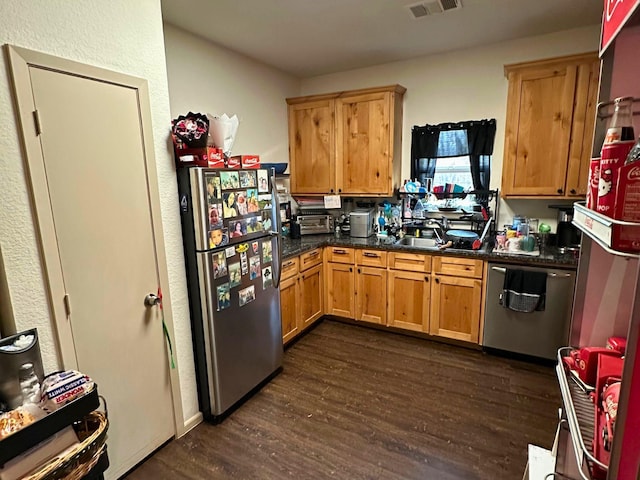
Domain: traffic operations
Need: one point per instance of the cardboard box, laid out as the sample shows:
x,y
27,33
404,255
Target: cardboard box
x,y
200,157
627,205
246,161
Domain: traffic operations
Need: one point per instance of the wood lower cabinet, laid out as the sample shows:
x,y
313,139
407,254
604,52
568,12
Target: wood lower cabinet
x,y
409,300
456,298
290,308
301,293
340,290
371,295
311,295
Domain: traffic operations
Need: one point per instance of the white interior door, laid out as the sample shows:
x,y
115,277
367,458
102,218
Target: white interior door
x,y
96,171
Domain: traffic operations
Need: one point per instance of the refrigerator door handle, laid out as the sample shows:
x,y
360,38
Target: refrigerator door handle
x,y
277,222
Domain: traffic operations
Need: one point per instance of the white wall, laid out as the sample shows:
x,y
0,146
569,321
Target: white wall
x,y
119,35
207,78
463,85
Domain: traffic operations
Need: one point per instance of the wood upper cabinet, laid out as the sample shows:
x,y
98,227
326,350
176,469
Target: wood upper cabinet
x,y
312,145
346,142
371,295
409,300
551,110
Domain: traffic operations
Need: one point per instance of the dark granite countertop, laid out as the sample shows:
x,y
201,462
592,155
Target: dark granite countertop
x,y
550,257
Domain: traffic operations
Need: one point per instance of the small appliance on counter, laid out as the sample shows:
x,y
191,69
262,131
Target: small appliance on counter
x,y
361,222
313,223
567,234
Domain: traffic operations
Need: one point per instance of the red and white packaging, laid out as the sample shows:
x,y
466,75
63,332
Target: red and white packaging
x,y
627,199
234,162
612,158
200,157
619,344
247,161
594,177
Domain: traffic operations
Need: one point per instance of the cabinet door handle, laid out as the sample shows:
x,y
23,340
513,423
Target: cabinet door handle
x,y
287,264
315,253
369,254
331,190
339,190
359,271
350,269
340,252
426,279
573,191
437,280
560,190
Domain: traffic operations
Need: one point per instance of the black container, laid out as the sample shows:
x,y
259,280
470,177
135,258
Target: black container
x,y
295,230
10,363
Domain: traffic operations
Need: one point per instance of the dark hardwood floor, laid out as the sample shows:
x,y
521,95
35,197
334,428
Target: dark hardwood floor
x,y
357,403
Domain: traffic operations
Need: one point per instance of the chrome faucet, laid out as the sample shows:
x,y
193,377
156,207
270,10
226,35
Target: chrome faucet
x,y
443,226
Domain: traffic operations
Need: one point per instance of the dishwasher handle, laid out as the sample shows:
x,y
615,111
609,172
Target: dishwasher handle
x,y
551,274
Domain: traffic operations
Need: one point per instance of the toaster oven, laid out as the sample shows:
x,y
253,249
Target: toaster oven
x,y
314,224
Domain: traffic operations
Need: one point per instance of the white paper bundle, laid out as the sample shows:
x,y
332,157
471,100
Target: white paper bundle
x,y
222,131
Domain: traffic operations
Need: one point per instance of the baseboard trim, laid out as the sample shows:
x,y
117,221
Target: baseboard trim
x,y
192,423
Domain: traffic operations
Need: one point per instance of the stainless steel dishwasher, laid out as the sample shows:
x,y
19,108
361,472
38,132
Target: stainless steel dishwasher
x,y
537,334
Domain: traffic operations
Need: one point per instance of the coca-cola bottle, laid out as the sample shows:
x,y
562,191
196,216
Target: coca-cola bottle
x,y
617,144
634,154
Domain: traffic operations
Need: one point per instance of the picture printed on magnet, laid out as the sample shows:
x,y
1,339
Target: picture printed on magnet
x,y
224,296
247,295
263,181
266,252
264,202
266,220
255,247
244,264
247,179
229,180
235,277
267,279
238,228
241,203
230,251
213,189
229,205
215,216
254,267
219,265
218,237
252,201
254,224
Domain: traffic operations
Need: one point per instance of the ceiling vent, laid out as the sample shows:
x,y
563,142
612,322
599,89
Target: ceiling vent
x,y
424,9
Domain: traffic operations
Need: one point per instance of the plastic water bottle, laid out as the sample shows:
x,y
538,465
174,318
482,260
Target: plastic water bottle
x,y
29,384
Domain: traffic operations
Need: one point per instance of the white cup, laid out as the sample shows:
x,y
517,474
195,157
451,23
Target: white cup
x,y
514,244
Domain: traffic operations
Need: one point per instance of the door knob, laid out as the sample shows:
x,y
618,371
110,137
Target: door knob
x,y
152,300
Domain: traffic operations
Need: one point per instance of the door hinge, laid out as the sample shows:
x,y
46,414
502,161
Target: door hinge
x,y
36,121
67,304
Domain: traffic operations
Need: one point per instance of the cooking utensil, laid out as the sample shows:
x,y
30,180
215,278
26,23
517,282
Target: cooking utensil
x,y
461,235
447,209
478,243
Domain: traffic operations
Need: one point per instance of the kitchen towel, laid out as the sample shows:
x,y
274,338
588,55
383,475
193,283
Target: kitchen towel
x,y
524,290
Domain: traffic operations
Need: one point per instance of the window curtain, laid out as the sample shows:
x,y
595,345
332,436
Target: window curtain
x,y
474,138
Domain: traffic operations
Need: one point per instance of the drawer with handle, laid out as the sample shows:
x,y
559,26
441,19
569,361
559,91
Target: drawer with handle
x,y
413,262
341,255
310,259
371,258
460,267
290,268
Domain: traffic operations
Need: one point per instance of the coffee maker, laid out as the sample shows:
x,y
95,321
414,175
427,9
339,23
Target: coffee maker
x,y
567,234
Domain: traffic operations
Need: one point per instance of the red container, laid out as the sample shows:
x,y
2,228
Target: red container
x,y
247,161
613,157
199,157
594,177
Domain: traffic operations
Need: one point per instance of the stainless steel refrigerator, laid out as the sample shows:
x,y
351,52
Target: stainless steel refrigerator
x,y
231,224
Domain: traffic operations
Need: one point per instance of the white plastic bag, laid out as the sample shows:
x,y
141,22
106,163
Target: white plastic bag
x,y
222,131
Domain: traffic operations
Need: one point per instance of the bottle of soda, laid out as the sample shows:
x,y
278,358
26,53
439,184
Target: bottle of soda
x,y
617,145
634,154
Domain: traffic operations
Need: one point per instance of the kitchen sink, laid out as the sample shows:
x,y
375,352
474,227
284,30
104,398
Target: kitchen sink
x,y
418,242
